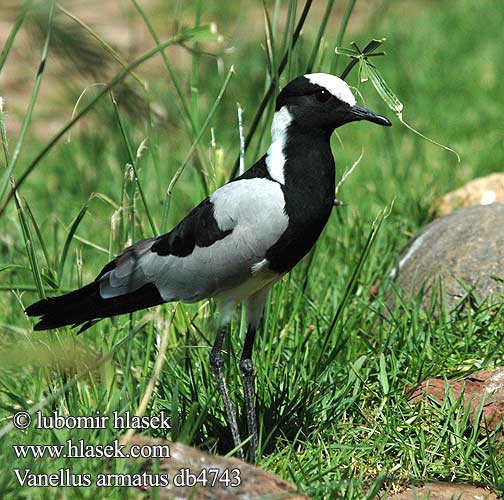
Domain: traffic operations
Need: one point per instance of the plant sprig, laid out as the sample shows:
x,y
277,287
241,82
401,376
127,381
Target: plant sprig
x,y
369,72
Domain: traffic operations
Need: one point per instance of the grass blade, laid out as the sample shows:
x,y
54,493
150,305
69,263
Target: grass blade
x,y
320,34
341,34
182,167
321,364
133,162
12,34
3,134
269,93
28,241
68,240
27,117
39,236
192,129
107,47
270,45
195,70
184,36
382,375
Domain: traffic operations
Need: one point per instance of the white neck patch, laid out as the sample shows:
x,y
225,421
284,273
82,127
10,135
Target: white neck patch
x,y
275,157
336,86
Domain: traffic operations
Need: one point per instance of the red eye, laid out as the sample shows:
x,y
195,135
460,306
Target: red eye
x,y
322,95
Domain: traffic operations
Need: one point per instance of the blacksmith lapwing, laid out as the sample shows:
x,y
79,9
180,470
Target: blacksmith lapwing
x,y
237,242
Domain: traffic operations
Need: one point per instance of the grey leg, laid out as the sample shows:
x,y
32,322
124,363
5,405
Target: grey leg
x,y
217,365
255,306
247,372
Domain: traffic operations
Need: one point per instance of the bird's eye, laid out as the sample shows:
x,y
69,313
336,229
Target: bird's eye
x,y
322,95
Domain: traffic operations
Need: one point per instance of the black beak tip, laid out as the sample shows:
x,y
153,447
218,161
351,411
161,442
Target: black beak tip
x,y
361,113
383,121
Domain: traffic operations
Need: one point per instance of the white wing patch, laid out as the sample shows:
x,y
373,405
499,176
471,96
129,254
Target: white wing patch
x,y
255,211
256,204
336,86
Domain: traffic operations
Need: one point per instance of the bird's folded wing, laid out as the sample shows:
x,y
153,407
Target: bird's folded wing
x,y
217,246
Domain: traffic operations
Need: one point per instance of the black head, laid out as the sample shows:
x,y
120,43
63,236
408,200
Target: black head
x,y
323,101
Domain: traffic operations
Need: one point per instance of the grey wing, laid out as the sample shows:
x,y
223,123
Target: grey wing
x,y
218,246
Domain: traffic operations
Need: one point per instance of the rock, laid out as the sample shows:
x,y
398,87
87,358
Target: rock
x,y
485,386
253,481
444,491
463,250
480,191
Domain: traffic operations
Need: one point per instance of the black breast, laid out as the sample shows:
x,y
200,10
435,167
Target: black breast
x,y
309,197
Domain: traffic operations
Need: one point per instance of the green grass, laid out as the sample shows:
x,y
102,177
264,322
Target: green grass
x,y
331,367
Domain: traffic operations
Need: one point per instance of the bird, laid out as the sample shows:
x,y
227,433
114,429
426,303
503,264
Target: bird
x,y
238,242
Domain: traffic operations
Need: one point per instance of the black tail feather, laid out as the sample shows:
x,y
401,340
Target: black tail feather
x,y
85,306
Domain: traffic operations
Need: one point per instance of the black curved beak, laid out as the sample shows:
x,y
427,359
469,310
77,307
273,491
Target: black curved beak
x,y
360,113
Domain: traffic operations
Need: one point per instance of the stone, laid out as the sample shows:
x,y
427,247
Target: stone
x,y
480,191
456,253
444,491
483,387
253,481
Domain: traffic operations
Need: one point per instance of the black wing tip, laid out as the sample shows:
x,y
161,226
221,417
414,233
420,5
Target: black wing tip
x,y
44,324
43,308
37,308
40,327
86,325
84,307
48,322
